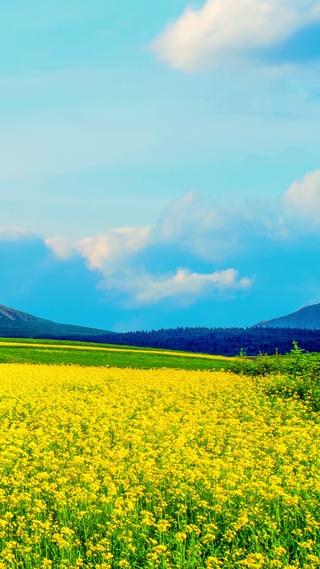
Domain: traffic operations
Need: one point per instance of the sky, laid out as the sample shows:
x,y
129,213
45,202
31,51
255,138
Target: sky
x,y
159,162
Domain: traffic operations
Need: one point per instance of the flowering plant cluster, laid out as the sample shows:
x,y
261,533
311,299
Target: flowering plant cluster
x,y
111,468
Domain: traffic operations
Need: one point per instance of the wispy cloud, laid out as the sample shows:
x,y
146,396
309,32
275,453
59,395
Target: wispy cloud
x,y
302,200
13,234
224,30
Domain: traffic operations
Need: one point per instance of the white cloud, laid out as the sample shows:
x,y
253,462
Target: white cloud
x,y
206,228
302,199
13,233
192,224
184,285
60,247
103,250
222,30
186,216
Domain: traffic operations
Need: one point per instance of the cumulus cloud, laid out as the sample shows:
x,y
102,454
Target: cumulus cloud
x,y
104,250
302,199
184,285
197,226
193,253
186,217
60,247
222,30
213,254
190,227
194,223
207,228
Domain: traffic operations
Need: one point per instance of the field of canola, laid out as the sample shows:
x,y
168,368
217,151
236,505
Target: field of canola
x,y
113,468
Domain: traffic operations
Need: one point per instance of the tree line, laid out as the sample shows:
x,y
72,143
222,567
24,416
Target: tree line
x,y
223,341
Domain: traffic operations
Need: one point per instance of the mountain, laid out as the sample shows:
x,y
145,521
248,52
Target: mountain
x,y
307,317
16,324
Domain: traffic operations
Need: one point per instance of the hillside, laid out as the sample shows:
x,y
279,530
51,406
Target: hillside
x,y
307,317
16,324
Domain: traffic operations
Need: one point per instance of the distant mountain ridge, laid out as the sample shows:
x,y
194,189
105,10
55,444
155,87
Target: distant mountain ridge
x,y
14,323
306,318
14,315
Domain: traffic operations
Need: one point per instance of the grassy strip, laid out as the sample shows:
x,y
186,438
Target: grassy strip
x,y
116,348
107,356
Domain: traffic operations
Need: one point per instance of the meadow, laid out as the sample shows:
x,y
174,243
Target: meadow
x,y
108,467
88,354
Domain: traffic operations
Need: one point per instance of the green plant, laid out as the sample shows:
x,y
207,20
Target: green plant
x,y
294,375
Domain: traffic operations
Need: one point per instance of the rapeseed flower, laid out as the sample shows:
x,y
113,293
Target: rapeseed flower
x,y
108,468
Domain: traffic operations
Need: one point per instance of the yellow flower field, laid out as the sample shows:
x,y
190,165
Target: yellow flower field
x,y
110,468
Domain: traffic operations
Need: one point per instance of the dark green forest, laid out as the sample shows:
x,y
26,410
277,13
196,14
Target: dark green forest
x,y
222,341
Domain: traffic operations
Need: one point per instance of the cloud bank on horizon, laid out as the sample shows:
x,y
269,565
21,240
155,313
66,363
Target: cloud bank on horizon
x,y
223,30
198,254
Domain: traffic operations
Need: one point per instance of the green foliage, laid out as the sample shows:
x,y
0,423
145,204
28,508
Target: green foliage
x,y
295,375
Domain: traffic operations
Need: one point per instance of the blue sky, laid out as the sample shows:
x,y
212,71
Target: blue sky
x,y
160,163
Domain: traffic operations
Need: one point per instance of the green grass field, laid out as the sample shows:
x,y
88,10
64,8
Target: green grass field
x,y
85,354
